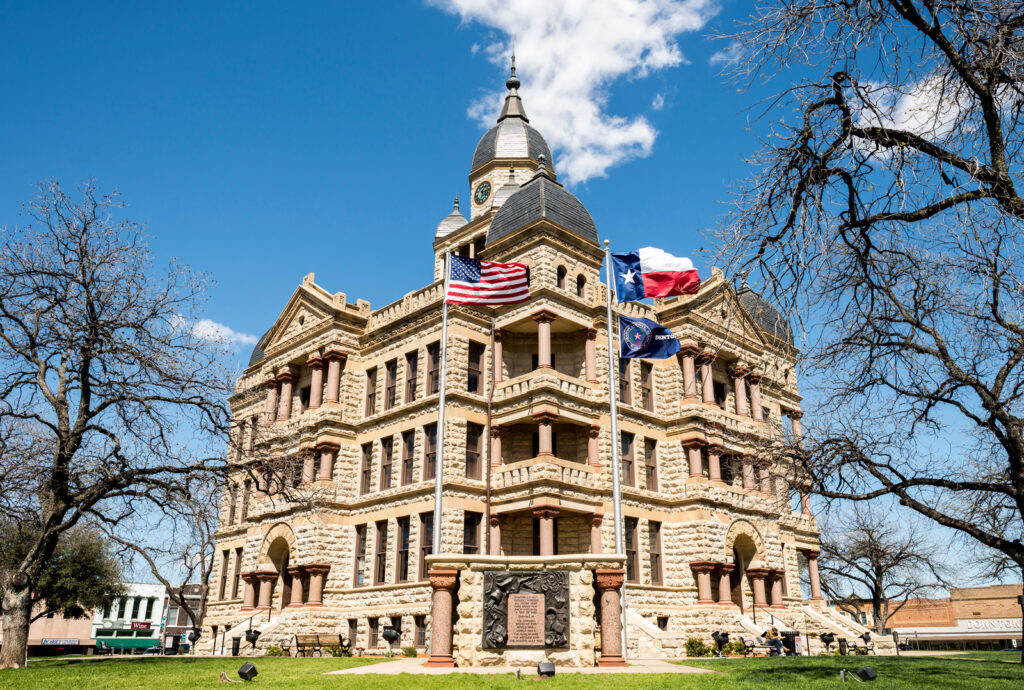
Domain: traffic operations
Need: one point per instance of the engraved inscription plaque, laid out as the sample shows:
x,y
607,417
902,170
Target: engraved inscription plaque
x,y
526,620
526,609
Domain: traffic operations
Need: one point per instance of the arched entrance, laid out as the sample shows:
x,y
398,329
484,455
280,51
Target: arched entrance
x,y
279,556
744,552
277,552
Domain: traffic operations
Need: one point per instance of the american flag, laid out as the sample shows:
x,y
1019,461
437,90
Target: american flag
x,y
487,282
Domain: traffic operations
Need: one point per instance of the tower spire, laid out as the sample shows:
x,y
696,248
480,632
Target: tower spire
x,y
513,104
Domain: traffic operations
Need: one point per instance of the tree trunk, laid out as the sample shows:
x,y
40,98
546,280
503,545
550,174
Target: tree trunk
x,y
17,610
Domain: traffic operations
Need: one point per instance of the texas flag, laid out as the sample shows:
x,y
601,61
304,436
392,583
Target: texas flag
x,y
651,272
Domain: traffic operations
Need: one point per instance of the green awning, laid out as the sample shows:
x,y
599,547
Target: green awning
x,y
128,642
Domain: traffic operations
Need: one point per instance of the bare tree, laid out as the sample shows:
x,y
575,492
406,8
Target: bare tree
x,y
886,189
98,360
868,556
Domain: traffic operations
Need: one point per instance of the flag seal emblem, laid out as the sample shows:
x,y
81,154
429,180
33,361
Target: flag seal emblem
x,y
637,336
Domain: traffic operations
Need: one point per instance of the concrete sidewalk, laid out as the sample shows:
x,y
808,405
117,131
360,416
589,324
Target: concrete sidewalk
x,y
415,666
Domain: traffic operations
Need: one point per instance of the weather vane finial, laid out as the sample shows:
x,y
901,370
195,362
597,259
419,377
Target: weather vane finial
x,y
513,81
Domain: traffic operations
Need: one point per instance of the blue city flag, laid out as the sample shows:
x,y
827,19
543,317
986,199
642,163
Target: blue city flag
x,y
642,338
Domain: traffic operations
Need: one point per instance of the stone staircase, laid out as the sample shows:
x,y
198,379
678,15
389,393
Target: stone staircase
x,y
831,621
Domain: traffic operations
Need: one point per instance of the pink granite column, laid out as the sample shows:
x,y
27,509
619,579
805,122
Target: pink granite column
x,y
725,584
812,571
296,599
591,355
544,319
715,461
693,447
308,468
317,572
328,451
798,432
756,410
749,481
764,476
546,515
805,498
266,578
496,432
703,570
686,356
497,356
334,358
284,404
757,577
544,421
269,411
706,360
595,533
593,447
316,380
739,381
249,597
443,583
609,584
495,535
776,579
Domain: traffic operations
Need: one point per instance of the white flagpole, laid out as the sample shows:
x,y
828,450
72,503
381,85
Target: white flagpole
x,y
439,451
616,441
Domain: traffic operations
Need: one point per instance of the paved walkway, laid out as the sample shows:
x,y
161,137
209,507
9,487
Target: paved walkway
x,y
405,665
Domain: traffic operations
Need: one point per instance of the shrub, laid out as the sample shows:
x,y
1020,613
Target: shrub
x,y
736,647
695,647
409,651
274,650
335,650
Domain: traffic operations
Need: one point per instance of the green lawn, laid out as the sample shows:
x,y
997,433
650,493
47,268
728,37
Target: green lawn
x,y
759,674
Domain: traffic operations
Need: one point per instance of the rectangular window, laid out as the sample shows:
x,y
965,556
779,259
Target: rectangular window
x,y
359,578
433,368
631,562
353,631
725,468
720,393
626,459
224,574
647,386
421,630
253,426
246,488
625,385
408,447
471,532
412,367
402,559
474,436
232,502
372,624
380,571
429,451
654,545
304,398
426,541
371,391
651,463
390,383
386,446
366,470
237,576
152,600
474,373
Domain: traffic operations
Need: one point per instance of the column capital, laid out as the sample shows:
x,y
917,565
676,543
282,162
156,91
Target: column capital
x,y
739,370
494,520
755,377
317,568
443,579
810,553
546,512
706,357
596,519
726,568
591,333
266,575
285,376
270,383
328,445
314,361
549,417
794,414
497,431
758,573
704,566
250,577
498,334
544,316
693,443
594,430
335,354
688,348
295,570
608,579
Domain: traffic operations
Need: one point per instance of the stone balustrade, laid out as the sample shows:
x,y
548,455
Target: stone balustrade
x,y
542,379
414,301
544,470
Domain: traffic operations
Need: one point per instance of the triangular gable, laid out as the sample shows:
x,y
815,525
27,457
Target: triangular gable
x,y
308,305
737,318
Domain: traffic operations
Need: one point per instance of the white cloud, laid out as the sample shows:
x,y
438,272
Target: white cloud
x,y
925,108
730,54
569,53
212,332
659,102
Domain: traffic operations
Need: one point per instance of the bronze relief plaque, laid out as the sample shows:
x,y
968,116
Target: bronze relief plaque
x,y
526,609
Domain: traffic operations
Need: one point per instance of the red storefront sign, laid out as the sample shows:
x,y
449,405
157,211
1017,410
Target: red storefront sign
x,y
136,625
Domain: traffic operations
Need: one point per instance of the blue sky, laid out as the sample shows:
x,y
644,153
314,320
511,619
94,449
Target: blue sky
x,y
260,142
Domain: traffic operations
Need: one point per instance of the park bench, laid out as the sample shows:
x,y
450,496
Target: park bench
x,y
103,649
314,643
751,645
868,645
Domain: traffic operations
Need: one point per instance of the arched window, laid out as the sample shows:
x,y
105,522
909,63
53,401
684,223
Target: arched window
x,y
581,285
560,278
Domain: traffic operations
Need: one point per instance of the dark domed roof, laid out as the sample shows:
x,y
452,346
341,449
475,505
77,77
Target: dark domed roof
x,y
510,138
764,314
540,198
257,351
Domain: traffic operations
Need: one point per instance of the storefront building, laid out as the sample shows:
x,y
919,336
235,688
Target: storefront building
x,y
134,620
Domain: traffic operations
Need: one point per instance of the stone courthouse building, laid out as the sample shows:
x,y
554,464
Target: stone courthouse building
x,y
327,525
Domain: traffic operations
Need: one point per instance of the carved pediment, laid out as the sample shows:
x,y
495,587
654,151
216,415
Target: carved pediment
x,y
304,310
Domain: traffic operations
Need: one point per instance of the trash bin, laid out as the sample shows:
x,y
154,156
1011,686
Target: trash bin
x,y
789,641
236,643
844,647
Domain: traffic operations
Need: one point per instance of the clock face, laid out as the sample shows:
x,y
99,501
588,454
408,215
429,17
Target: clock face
x,y
482,193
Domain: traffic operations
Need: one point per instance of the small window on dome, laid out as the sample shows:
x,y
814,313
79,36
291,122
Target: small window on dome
x,y
560,278
581,285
